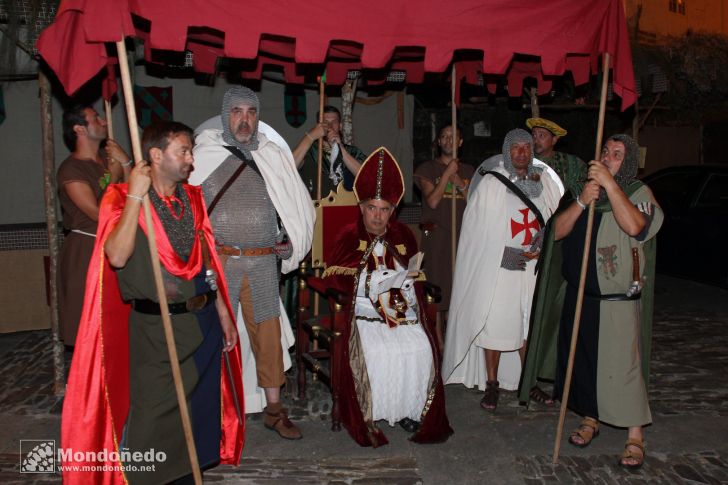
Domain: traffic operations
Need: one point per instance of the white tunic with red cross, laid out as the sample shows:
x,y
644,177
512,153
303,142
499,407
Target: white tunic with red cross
x,y
507,324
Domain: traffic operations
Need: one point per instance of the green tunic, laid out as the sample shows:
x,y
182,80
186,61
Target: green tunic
x,y
154,420
614,340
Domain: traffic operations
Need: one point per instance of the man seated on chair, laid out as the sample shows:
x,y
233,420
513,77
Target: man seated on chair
x,y
391,367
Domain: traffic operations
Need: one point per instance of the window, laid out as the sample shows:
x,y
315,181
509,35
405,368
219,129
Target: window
x,y
715,193
676,190
677,6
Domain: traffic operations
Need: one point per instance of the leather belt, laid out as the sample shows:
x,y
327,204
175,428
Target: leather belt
x,y
614,296
236,252
192,305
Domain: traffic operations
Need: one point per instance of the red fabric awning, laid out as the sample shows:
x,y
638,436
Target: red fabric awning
x,y
377,36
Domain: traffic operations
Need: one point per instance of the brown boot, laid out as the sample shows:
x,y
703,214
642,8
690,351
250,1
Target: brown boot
x,y
276,418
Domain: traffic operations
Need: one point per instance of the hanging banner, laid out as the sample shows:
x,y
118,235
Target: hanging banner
x,y
295,105
152,104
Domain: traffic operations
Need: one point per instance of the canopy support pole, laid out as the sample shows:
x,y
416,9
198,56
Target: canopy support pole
x,y
319,158
109,121
584,264
453,191
156,267
533,95
49,190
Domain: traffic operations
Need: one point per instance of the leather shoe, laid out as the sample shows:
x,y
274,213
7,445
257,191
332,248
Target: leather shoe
x,y
276,418
409,425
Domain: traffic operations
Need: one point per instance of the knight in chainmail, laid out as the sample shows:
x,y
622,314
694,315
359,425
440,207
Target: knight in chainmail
x,y
495,270
251,241
528,179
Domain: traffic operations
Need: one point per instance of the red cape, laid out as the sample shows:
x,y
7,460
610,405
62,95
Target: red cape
x,y
97,395
347,254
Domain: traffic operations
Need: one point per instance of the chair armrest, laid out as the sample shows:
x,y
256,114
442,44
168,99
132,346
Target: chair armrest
x,y
319,285
338,296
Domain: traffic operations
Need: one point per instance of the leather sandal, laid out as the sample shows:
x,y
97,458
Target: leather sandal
x,y
279,422
538,395
586,432
629,454
490,399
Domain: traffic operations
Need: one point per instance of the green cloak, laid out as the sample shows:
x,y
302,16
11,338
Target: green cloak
x,y
548,301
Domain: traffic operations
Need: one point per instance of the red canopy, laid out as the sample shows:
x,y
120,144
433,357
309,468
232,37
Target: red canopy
x,y
376,36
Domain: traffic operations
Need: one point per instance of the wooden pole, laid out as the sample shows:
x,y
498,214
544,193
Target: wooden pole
x,y
453,193
109,122
319,158
584,264
320,140
156,267
533,95
49,190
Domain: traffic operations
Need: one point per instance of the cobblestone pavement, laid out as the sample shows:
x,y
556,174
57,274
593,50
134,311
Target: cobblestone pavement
x,y
27,366
705,467
688,393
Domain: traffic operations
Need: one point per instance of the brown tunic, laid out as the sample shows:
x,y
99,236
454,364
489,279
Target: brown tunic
x,y
436,238
77,248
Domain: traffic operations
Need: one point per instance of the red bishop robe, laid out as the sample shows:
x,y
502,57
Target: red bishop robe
x,y
352,252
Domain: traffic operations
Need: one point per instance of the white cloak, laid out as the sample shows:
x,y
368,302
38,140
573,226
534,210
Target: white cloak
x,y
479,255
295,208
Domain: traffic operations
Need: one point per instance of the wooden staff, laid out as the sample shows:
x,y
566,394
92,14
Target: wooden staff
x,y
584,263
109,122
453,191
156,268
320,158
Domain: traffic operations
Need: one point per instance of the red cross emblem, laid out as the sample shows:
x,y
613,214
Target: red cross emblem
x,y
518,227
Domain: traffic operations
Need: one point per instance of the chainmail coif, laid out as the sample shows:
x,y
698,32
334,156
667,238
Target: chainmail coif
x,y
531,183
233,97
628,170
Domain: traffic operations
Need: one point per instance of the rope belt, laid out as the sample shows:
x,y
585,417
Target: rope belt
x,y
236,252
192,305
381,320
79,231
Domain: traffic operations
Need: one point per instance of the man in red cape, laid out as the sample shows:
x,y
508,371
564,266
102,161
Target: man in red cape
x,y
391,368
120,397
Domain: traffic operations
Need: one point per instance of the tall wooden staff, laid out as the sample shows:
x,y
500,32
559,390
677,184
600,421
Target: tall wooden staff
x,y
584,263
319,158
156,268
453,191
109,122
